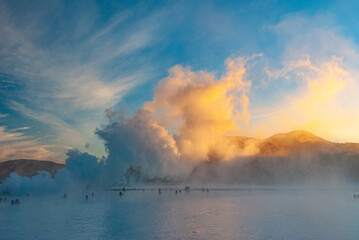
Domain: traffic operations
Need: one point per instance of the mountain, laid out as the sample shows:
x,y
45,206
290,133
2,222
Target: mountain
x,y
284,158
28,167
291,157
294,143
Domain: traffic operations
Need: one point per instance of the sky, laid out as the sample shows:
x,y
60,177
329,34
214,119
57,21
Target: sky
x,y
64,63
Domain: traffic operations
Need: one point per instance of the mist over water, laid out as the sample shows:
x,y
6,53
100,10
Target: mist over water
x,y
190,133
186,134
288,186
263,145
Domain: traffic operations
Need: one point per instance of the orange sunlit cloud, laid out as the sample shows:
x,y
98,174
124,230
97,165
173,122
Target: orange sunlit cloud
x,y
202,111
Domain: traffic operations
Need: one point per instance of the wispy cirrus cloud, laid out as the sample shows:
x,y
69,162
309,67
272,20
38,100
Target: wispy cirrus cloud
x,y
65,71
27,150
72,73
15,144
7,136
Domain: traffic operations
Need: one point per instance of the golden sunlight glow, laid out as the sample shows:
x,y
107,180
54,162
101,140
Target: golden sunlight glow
x,y
200,113
201,110
320,104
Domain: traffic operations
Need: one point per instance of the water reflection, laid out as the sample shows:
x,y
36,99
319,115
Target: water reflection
x,y
186,215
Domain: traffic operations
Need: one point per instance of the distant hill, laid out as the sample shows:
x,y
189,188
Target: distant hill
x,y
284,158
28,167
292,157
294,143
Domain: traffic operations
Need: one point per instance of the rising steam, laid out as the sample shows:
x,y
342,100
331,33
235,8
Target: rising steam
x,y
188,121
188,132
201,110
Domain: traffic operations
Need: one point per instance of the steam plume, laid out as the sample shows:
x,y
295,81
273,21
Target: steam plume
x,y
201,110
187,122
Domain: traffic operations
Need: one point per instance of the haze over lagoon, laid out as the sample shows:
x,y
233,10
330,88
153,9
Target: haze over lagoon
x,y
188,120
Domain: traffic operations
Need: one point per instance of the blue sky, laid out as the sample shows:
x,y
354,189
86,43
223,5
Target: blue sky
x,y
62,63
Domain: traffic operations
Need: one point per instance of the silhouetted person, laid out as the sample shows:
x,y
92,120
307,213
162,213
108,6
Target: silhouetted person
x,y
86,197
17,201
12,202
159,190
176,192
92,194
120,193
65,196
180,190
124,189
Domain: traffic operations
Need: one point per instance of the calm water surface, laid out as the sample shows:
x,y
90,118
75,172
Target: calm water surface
x,y
188,215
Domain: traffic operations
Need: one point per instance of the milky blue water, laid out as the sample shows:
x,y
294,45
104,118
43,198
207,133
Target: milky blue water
x,y
188,215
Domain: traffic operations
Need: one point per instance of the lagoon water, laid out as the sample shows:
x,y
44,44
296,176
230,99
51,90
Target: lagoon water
x,y
256,214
